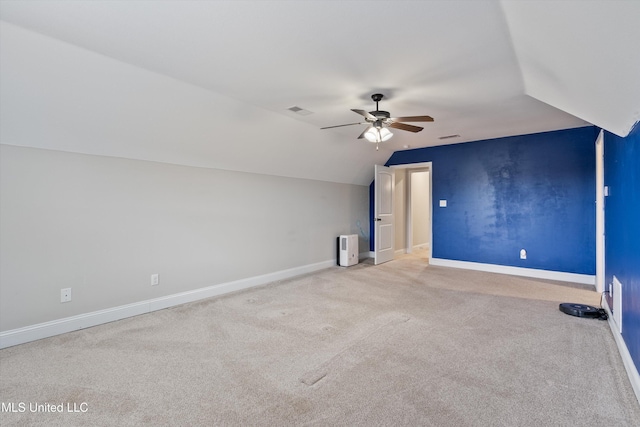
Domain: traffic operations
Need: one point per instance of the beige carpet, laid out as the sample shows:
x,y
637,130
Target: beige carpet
x,y
398,344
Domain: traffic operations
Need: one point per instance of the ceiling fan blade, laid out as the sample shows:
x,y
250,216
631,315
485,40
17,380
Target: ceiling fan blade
x,y
366,115
339,126
364,131
413,119
404,126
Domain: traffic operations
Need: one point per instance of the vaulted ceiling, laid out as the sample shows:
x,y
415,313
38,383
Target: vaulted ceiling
x,y
210,83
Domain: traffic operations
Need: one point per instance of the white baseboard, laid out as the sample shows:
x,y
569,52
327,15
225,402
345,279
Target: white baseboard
x,y
82,321
364,255
627,361
585,279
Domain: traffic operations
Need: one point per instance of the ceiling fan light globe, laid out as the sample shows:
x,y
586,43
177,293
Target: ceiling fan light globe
x,y
372,135
377,135
385,134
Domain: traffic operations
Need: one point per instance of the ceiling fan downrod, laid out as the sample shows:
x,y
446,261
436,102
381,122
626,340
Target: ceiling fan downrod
x,y
377,97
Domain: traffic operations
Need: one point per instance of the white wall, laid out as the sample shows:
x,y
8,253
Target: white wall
x,y
103,225
399,210
420,208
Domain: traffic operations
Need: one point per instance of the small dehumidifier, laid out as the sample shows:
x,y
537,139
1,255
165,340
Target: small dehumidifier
x,y
347,250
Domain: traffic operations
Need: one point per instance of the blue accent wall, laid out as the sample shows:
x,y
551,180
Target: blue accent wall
x,y
622,230
535,192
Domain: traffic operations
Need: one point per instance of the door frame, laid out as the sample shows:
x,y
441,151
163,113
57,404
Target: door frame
x,y
410,168
600,229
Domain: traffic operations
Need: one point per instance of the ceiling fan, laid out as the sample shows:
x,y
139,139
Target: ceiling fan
x,y
379,121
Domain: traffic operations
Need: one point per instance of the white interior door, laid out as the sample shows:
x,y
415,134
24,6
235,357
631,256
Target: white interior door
x,y
384,183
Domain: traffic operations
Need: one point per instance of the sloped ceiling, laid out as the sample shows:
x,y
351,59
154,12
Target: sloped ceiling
x,y
209,83
581,57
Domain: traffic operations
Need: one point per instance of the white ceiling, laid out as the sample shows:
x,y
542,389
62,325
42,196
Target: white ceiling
x,y
482,69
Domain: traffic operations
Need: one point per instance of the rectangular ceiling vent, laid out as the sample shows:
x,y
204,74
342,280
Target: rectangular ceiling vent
x,y
449,137
300,111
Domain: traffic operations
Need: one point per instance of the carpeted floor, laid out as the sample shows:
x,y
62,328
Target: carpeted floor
x,y
397,344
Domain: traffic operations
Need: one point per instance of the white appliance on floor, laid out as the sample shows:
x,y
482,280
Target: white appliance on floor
x,y
348,250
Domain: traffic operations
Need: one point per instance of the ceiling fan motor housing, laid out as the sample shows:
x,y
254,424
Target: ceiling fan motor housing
x,y
380,115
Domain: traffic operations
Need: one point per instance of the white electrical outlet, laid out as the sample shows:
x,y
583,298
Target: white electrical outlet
x,y
65,295
523,254
155,279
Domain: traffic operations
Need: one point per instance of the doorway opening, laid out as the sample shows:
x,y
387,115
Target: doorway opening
x,y
413,209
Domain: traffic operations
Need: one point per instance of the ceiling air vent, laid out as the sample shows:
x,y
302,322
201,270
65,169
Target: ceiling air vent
x,y
300,111
449,137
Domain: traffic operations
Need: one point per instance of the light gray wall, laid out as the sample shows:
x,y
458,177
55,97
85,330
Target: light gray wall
x,y
102,225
